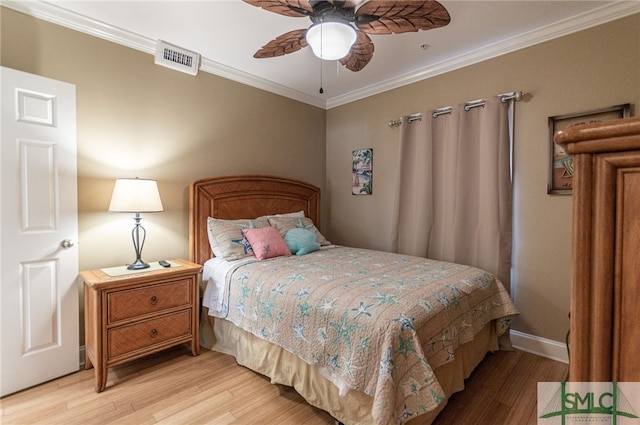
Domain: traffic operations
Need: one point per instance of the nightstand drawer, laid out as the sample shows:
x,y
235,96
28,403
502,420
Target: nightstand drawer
x,y
146,334
137,302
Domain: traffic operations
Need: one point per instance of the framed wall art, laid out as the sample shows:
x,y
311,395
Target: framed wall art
x,y
561,164
362,172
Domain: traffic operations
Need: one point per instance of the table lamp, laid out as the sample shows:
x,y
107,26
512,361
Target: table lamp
x,y
136,196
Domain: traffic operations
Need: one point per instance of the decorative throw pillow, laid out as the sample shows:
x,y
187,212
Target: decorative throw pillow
x,y
230,241
266,243
284,224
301,241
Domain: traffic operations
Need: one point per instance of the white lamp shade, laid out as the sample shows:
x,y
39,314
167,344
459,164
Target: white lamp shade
x,y
331,40
136,196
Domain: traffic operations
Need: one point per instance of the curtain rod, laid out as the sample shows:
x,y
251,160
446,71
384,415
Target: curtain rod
x,y
504,98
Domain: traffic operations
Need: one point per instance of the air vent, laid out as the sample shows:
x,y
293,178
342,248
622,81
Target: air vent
x,y
177,58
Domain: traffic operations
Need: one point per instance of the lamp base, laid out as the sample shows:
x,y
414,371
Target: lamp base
x,y
138,265
137,245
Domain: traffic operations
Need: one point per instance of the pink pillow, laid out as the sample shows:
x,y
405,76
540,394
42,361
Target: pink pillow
x,y
266,242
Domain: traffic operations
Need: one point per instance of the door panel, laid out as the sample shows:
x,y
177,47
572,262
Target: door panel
x,y
39,291
41,315
38,192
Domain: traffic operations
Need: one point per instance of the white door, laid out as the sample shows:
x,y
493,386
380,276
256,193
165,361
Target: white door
x,y
39,228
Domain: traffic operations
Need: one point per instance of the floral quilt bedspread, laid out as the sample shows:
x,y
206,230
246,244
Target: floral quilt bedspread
x,y
380,322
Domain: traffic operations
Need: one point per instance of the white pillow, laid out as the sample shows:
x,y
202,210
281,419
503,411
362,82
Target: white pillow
x,y
293,214
212,241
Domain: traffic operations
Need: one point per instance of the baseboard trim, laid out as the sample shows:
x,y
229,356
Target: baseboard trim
x,y
82,357
548,348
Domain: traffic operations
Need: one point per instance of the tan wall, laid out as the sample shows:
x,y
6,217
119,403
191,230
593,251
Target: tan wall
x,y
592,69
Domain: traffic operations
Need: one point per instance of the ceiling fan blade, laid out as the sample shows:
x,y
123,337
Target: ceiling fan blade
x,y
394,17
284,44
295,8
360,54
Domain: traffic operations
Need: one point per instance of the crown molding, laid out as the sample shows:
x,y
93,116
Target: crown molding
x,y
52,13
577,23
57,15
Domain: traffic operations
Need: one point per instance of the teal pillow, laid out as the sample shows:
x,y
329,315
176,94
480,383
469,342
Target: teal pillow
x,y
301,241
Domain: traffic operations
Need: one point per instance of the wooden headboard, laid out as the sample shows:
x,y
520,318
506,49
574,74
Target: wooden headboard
x,y
244,196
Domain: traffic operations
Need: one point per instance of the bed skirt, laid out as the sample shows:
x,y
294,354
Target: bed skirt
x,y
284,368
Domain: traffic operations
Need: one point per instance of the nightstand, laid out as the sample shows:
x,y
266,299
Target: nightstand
x,y
131,314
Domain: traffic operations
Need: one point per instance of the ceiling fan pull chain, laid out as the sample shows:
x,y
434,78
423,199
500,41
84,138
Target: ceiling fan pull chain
x,y
321,39
321,89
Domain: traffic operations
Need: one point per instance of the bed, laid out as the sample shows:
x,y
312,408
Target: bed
x,y
370,337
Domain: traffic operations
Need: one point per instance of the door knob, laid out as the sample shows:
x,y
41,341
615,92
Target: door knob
x,y
66,243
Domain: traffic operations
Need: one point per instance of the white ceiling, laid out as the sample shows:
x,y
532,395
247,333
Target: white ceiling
x,y
226,33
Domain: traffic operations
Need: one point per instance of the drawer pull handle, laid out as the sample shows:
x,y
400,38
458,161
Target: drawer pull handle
x,y
154,333
154,300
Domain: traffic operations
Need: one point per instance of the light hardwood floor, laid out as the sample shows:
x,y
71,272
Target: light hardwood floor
x,y
175,388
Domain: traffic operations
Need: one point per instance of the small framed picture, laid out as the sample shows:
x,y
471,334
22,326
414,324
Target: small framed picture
x,y
362,172
561,164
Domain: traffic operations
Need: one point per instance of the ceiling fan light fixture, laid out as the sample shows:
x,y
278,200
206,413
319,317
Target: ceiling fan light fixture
x,y
331,40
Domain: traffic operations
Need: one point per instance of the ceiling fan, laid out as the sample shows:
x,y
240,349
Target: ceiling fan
x,y
355,48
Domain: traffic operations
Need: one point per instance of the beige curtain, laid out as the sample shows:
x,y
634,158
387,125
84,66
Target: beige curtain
x,y
453,200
